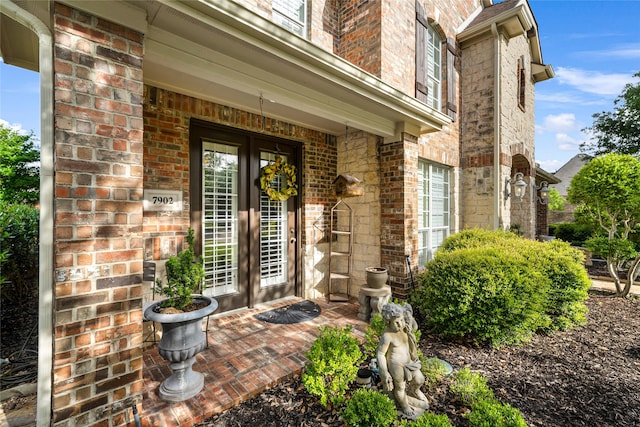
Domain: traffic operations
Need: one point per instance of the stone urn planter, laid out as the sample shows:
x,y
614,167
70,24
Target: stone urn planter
x,y
182,339
376,277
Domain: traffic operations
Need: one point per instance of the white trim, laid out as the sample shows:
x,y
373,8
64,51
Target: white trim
x,y
45,304
226,28
118,11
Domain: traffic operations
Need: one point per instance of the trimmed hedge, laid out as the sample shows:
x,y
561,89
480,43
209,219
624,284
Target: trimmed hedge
x,y
19,239
574,233
498,288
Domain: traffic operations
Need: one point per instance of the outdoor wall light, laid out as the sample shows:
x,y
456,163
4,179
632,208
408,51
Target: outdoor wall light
x,y
519,186
544,192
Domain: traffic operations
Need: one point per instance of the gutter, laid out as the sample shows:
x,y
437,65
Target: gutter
x,y
45,291
497,140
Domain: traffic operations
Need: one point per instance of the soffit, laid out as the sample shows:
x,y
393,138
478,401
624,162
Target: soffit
x,y
18,44
513,18
220,51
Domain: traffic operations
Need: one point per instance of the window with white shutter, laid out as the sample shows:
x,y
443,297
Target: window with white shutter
x,y
433,208
428,64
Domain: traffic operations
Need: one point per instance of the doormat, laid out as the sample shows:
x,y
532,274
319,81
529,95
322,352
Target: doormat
x,y
293,313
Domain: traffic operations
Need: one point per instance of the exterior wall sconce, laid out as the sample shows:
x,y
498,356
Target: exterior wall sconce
x,y
544,192
519,186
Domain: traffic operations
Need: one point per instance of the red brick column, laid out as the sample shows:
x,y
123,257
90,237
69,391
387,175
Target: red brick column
x,y
399,210
97,370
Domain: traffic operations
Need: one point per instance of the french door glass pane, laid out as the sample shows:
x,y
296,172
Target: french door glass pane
x,y
273,232
220,219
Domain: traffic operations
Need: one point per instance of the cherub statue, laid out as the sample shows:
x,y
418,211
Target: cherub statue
x,y
398,360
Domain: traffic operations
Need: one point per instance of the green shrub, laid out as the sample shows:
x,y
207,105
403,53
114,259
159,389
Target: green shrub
x,y
368,408
470,387
490,413
619,250
469,267
185,273
433,370
476,237
19,239
372,335
334,358
482,293
569,283
429,419
572,232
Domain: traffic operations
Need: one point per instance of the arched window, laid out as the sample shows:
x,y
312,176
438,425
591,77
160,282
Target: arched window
x,y
428,64
436,74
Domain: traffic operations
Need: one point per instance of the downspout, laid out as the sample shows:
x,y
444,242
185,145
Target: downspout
x,y
45,291
497,134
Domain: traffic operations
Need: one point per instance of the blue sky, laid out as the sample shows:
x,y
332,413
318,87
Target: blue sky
x,y
593,46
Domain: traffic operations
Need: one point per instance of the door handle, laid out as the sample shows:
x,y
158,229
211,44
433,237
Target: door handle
x,y
292,240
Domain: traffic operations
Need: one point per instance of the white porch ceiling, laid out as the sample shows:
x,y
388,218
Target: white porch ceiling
x,y
220,51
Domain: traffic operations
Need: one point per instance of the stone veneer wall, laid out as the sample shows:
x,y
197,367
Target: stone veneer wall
x,y
97,367
517,134
477,135
515,138
358,154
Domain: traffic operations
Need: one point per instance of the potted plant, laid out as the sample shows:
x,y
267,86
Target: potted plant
x,y
180,315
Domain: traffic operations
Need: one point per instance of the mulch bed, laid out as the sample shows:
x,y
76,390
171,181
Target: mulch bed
x,y
589,376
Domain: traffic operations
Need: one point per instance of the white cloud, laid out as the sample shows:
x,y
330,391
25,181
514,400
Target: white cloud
x,y
550,165
623,51
16,127
565,122
556,97
594,82
566,142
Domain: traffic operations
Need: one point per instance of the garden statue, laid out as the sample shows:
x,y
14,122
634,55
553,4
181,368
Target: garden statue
x,y
398,360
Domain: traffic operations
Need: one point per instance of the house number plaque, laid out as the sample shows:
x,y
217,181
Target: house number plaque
x,y
162,200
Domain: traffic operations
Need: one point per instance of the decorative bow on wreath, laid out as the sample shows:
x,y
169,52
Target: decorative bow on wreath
x,y
270,171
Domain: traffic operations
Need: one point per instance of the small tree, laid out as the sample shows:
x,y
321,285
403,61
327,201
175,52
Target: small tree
x,y
607,190
617,131
556,201
19,173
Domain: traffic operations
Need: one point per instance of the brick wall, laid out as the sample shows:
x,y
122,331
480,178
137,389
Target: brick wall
x,y
98,220
324,23
397,50
398,202
360,34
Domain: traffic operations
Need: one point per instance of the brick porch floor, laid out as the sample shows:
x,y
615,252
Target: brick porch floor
x,y
245,357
